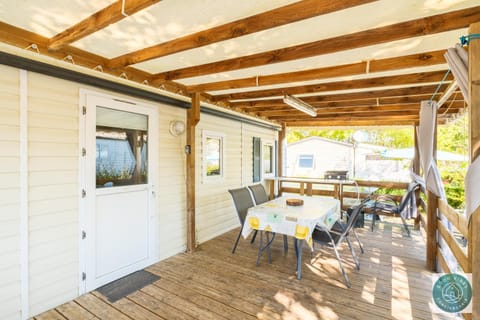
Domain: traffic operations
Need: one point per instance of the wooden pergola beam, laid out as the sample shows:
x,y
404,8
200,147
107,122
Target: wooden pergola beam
x,y
359,106
97,21
427,90
412,78
22,38
351,117
270,19
351,123
404,30
388,64
454,107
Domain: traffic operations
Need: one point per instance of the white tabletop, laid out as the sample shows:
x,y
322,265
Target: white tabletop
x,y
297,221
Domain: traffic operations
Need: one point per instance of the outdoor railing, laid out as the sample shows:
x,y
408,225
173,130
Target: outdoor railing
x,y
459,239
339,189
456,236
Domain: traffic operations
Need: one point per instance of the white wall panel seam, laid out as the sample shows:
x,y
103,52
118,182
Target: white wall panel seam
x,y
24,241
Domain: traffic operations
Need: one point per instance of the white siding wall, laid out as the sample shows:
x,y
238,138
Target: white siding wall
x,y
214,209
215,212
53,191
171,189
53,187
10,292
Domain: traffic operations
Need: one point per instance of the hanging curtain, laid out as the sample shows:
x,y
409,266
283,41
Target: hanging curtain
x,y
428,116
457,60
433,181
472,187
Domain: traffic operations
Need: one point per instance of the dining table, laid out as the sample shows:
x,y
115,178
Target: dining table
x,y
297,221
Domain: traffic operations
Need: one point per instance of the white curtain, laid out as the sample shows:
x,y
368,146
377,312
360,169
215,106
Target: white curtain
x,y
472,187
457,60
433,181
426,134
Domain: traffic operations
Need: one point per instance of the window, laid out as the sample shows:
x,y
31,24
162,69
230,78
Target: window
x,y
213,154
263,159
268,157
121,148
257,145
305,161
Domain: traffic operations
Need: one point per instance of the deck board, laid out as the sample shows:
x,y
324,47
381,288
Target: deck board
x,y
212,283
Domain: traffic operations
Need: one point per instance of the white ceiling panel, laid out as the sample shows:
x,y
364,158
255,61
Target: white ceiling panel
x,y
387,50
170,19
48,17
323,27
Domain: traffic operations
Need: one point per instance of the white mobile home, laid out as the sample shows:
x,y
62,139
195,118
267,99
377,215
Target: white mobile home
x,y
65,230
313,156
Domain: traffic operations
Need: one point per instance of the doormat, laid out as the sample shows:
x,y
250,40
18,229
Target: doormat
x,y
122,287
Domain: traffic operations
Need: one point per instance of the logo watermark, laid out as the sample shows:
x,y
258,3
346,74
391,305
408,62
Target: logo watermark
x,y
452,293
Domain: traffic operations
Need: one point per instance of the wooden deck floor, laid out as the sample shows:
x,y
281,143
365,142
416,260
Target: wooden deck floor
x,y
214,284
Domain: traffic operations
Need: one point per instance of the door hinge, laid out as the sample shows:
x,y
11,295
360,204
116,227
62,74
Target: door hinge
x,y
84,110
84,193
84,152
84,276
84,235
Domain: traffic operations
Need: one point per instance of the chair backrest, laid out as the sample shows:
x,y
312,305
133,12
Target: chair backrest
x,y
356,212
243,201
407,197
259,193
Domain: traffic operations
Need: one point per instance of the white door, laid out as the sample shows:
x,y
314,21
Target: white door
x,y
120,158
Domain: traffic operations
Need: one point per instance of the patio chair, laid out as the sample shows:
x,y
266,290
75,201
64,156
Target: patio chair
x,y
260,196
387,206
336,235
243,201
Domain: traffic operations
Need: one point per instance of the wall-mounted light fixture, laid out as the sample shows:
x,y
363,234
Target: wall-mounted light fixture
x,y
177,127
300,105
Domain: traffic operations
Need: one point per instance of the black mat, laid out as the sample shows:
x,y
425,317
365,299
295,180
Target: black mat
x,y
122,287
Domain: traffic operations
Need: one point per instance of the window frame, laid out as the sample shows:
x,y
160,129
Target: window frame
x,y
206,134
303,155
269,143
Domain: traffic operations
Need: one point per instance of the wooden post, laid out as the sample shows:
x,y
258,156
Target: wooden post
x,y
416,158
193,117
416,170
309,189
282,135
474,125
271,188
432,208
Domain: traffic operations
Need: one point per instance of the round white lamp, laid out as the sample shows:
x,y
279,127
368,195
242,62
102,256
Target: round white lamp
x,y
177,127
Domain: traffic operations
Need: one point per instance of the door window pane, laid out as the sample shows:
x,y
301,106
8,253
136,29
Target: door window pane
x,y
121,148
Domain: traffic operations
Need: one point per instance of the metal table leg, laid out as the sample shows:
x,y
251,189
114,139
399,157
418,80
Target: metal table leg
x,y
298,253
262,248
